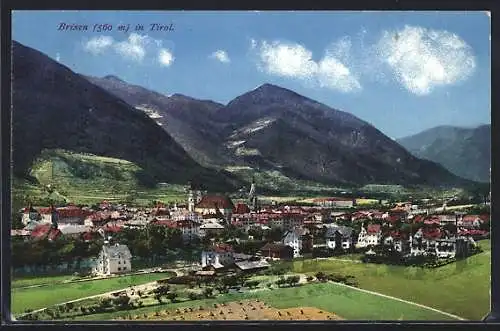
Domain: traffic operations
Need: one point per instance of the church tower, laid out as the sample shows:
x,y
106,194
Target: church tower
x,y
252,196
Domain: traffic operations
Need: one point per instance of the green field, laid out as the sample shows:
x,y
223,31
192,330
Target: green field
x,y
40,297
38,280
88,179
345,302
461,288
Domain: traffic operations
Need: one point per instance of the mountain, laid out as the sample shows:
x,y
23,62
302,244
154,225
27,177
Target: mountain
x,y
274,130
464,151
55,108
187,120
310,140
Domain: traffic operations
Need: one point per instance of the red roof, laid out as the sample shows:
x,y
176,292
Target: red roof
x,y
398,235
45,231
418,219
394,218
70,211
472,232
112,228
241,208
215,201
373,228
432,234
471,218
484,217
221,248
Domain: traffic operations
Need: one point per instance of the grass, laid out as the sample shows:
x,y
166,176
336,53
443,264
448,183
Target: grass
x,y
24,281
88,179
40,297
345,302
460,288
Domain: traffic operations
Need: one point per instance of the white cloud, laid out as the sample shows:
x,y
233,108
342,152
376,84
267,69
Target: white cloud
x,y
295,61
221,56
58,57
165,57
97,45
135,48
423,59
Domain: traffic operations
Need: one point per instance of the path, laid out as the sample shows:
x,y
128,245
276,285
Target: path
x,y
402,300
141,287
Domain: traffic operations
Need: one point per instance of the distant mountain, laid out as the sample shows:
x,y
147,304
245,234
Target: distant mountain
x,y
464,151
312,141
54,108
276,130
189,121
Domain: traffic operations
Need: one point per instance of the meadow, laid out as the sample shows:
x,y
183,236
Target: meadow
x,y
345,302
461,288
40,297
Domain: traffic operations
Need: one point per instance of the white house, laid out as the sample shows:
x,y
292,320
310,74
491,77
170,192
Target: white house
x,y
217,256
371,236
113,259
296,238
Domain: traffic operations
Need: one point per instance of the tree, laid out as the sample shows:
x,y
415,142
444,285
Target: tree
x,y
160,292
123,301
172,296
321,276
208,292
293,280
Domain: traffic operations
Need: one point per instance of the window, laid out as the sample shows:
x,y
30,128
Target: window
x,y
119,268
124,268
119,262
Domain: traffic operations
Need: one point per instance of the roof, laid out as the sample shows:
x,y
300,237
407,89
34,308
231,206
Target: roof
x,y
117,250
19,232
343,230
221,248
45,231
432,234
211,225
70,211
373,228
241,208
215,201
275,247
249,265
205,273
472,232
239,256
73,229
471,218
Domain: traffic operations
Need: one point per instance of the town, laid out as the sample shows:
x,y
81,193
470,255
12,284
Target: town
x,y
286,232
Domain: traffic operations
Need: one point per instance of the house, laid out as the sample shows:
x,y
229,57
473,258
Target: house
x,y
277,251
470,221
45,231
189,229
370,236
338,236
215,205
113,259
20,233
212,228
73,230
252,265
241,208
30,214
217,256
399,241
70,214
335,202
299,239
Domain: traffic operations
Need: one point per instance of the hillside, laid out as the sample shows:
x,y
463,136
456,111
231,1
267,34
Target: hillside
x,y
309,140
274,130
187,120
464,151
54,108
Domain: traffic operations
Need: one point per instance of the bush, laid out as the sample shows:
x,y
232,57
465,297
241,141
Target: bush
x,y
309,278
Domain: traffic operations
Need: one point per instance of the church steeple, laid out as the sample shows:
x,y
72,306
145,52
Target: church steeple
x,y
252,195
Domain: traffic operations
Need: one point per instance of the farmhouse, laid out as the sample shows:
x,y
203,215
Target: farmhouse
x,y
218,256
113,259
277,251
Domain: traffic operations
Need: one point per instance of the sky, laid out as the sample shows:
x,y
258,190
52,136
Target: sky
x,y
403,72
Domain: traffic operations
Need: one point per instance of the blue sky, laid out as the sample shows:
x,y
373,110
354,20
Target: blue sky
x,y
404,72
